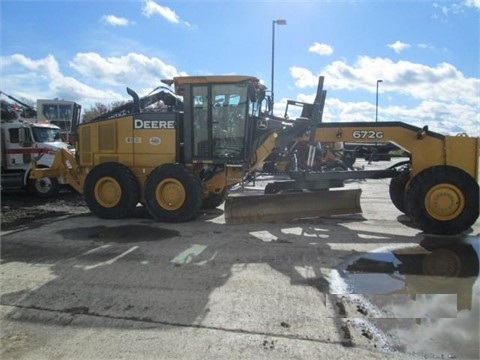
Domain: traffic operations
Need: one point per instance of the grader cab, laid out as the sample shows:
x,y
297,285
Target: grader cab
x,y
185,154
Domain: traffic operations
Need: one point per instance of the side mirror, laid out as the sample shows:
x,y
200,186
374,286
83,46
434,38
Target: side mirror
x,y
252,93
261,95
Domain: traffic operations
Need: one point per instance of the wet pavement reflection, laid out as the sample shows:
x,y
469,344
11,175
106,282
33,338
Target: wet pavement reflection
x,y
424,298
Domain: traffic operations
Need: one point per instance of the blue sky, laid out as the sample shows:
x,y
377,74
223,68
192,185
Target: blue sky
x,y
426,52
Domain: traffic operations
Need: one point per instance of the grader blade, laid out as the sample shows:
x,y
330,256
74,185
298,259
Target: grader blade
x,y
288,206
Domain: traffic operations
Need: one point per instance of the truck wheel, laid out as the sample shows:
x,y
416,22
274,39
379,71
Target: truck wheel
x,y
111,191
44,188
214,200
442,200
173,193
397,190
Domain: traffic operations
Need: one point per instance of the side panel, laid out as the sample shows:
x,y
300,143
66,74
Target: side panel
x,y
463,152
426,151
154,139
105,141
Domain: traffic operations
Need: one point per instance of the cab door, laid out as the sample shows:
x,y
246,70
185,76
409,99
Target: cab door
x,y
214,124
18,147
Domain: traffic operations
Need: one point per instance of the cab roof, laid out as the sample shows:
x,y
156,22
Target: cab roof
x,y
181,81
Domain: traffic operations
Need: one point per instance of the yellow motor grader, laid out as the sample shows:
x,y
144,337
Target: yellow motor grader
x,y
177,152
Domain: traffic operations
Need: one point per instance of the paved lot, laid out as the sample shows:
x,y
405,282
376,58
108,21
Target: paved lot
x,y
85,288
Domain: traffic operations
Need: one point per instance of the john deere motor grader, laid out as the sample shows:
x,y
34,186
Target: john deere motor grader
x,y
174,158
212,131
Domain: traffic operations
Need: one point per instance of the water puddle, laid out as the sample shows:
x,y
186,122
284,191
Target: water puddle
x,y
424,298
119,234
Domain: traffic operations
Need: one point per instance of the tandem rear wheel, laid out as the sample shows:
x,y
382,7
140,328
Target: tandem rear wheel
x,y
442,200
111,191
173,193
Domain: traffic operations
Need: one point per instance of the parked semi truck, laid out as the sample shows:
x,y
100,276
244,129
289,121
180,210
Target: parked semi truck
x,y
213,130
21,144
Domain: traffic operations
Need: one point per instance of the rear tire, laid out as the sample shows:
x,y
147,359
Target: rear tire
x,y
111,191
442,200
173,193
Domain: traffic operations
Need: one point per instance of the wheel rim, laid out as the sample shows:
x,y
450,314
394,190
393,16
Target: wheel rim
x,y
444,202
170,194
43,185
108,192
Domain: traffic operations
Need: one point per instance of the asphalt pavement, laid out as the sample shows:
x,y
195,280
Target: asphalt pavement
x,y
81,287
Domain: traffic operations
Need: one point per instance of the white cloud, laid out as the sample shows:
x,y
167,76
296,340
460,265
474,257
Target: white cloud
x,y
28,73
66,87
303,77
445,9
320,48
125,69
398,46
425,46
102,79
418,81
473,3
47,70
151,8
116,21
47,66
439,96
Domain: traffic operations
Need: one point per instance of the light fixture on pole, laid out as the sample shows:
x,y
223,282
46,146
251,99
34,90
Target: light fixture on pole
x,y
376,104
278,22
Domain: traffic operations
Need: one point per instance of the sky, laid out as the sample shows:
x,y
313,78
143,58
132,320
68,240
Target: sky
x,y
425,52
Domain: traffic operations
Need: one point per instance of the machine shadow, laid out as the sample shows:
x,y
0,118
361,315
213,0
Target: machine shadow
x,y
165,274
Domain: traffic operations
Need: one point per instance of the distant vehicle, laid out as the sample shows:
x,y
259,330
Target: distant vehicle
x,y
21,144
63,113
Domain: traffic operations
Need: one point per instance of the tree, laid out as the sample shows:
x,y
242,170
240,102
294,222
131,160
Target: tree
x,y
94,111
99,109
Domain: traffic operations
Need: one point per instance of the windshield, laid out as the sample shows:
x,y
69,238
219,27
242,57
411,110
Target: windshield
x,y
55,112
45,134
229,110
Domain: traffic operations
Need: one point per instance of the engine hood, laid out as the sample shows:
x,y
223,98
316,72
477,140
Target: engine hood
x,y
57,145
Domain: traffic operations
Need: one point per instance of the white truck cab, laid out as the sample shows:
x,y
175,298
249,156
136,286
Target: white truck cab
x,y
21,144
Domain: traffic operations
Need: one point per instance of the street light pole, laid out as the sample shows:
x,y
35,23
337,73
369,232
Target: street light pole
x,y
376,104
278,22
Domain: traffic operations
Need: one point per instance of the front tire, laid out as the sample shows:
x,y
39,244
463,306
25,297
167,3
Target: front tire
x,y
44,188
173,193
442,200
111,191
397,190
214,200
